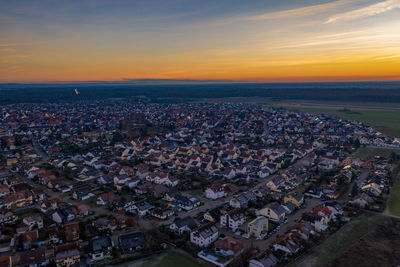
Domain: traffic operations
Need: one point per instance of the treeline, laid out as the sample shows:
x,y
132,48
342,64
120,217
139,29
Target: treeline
x,y
388,92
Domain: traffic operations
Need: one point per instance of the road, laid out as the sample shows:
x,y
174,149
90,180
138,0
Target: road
x,y
148,224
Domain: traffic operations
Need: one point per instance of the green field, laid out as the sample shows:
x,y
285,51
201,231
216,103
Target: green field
x,y
339,242
384,119
173,259
393,202
366,153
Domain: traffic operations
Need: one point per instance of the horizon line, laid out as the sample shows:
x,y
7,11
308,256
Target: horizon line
x,y
142,81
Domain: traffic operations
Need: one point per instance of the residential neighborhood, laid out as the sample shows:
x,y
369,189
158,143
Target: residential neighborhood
x,y
100,183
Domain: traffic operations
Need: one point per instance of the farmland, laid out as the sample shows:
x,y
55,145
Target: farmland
x,y
383,117
337,244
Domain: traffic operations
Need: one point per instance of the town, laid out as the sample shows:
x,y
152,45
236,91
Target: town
x,y
96,183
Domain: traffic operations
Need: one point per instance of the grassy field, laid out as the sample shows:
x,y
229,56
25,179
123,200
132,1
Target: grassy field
x,y
393,202
174,259
383,118
339,242
366,153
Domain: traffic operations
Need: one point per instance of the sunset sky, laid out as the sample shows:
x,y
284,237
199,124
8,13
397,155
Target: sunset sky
x,y
285,40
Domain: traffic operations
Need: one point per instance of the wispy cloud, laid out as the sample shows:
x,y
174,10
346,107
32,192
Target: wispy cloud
x,y
368,11
7,45
388,57
301,11
366,39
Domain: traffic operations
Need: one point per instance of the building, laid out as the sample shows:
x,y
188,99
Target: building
x,y
296,198
180,226
257,226
204,235
232,219
100,248
33,258
274,212
67,254
131,241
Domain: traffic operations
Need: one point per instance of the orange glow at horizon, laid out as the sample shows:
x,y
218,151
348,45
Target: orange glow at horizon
x,y
336,40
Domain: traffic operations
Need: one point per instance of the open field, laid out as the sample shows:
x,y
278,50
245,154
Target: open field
x,y
393,203
172,258
366,153
339,242
377,248
382,117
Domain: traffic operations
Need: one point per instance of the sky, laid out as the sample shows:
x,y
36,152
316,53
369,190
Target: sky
x,y
254,40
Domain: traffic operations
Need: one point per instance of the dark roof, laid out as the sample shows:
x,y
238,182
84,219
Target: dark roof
x,y
131,240
187,221
277,208
32,256
99,244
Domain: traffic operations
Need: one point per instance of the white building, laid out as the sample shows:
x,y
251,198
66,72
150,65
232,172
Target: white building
x,y
204,236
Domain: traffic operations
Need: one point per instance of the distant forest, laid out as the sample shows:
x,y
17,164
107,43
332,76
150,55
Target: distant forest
x,y
388,92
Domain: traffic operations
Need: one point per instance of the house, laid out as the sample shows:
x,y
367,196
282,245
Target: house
x,y
162,214
4,190
229,173
289,207
172,195
187,203
63,215
33,258
275,183
121,180
274,212
228,246
6,261
67,254
82,192
72,231
213,215
102,224
313,192
257,226
105,199
38,193
26,240
204,235
242,200
215,191
296,198
34,220
49,204
130,242
7,217
52,235
185,224
288,243
80,209
232,219
143,207
158,190
100,248
267,260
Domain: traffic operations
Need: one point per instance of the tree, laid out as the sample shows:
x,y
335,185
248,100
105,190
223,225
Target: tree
x,y
69,173
354,190
357,143
341,181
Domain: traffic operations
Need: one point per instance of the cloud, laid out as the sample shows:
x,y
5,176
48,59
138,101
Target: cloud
x,y
368,11
388,57
7,45
365,39
301,11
